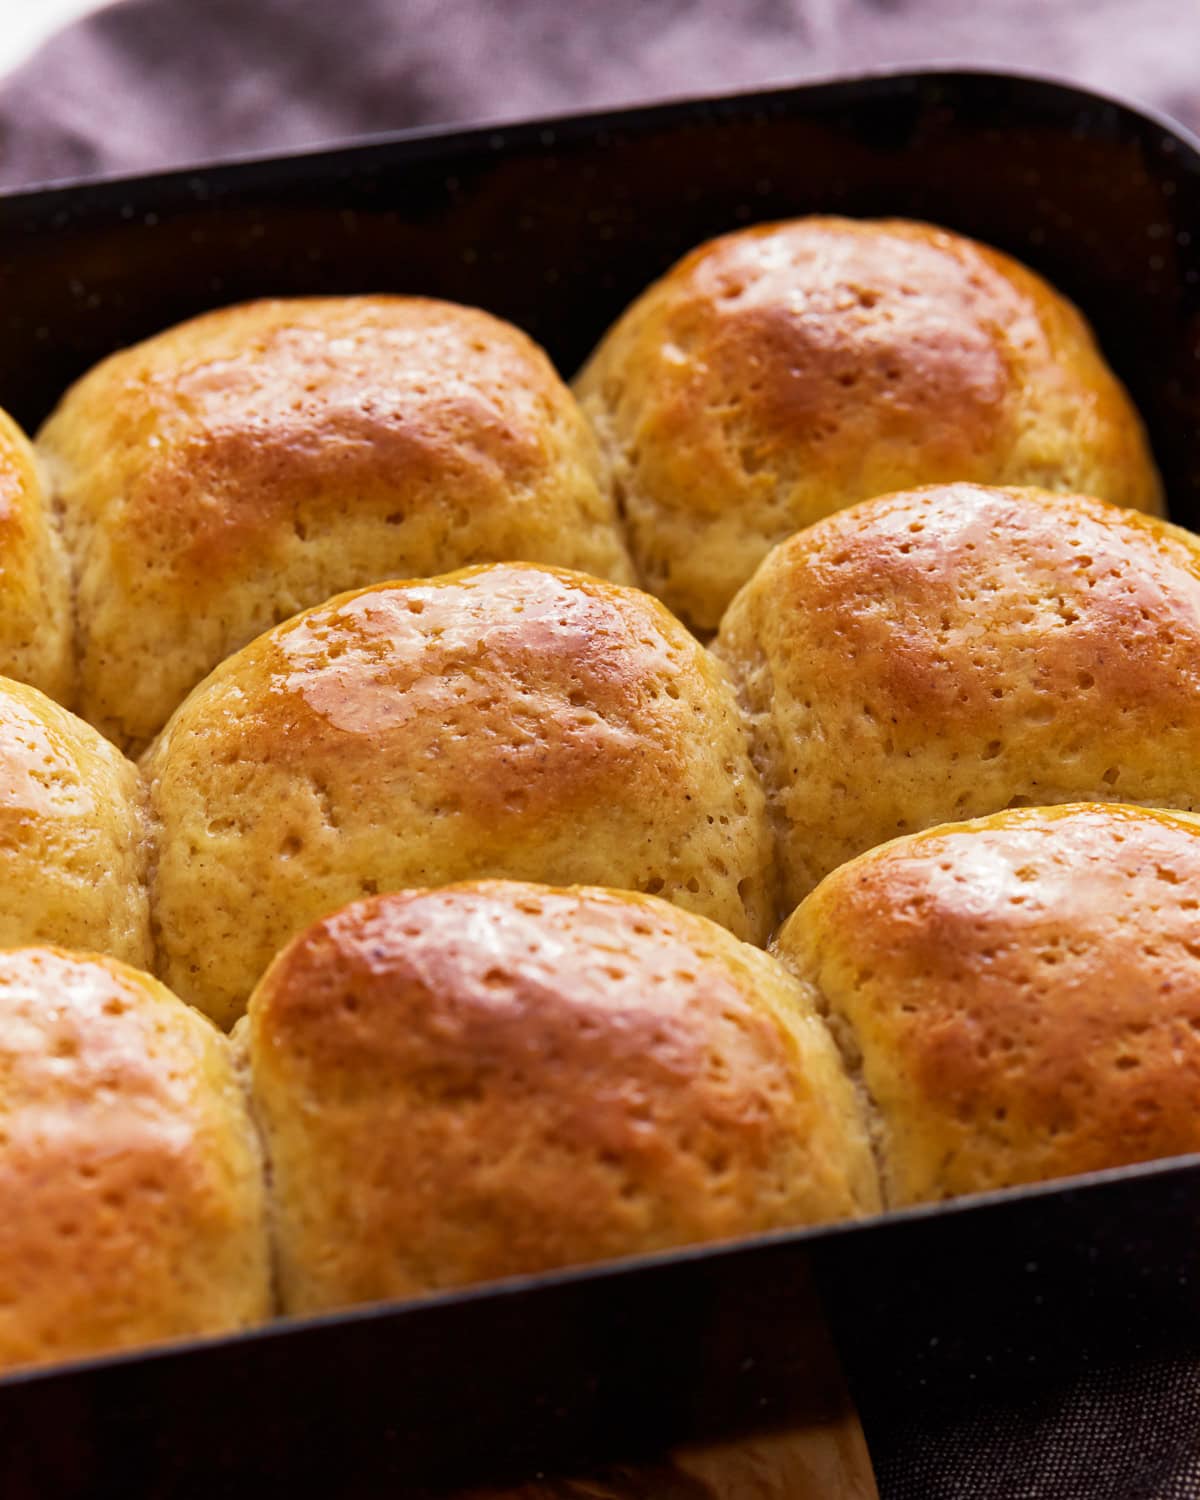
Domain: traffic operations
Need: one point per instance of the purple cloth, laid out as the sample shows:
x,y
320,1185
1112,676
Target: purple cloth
x,y
152,83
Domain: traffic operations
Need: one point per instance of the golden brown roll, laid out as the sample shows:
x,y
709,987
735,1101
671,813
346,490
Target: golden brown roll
x,y
253,462
36,628
780,373
951,651
500,721
1020,994
493,1079
827,1462
131,1201
73,843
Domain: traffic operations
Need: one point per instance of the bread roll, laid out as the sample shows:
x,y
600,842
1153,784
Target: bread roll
x,y
493,1079
72,835
36,628
828,1462
951,651
780,373
508,720
131,1203
1020,994
245,465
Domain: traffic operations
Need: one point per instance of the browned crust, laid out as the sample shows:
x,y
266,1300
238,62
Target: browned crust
x,y
942,652
130,1182
777,374
507,721
500,1078
1023,991
255,461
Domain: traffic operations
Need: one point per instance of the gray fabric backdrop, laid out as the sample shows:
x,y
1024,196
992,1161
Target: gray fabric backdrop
x,y
150,83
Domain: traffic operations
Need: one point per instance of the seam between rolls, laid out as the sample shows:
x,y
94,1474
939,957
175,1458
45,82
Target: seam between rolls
x,y
147,866
614,466
55,510
152,836
842,1034
244,1073
760,760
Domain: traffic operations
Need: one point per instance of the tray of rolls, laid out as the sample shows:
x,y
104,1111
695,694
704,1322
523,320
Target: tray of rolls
x,y
600,750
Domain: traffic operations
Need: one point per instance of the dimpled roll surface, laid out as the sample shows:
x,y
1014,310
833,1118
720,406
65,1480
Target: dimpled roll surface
x,y
785,371
36,628
947,652
131,1201
492,1079
73,847
500,721
1021,993
255,461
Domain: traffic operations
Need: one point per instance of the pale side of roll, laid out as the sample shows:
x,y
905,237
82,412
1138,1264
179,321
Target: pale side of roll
x,y
131,1191
36,626
73,843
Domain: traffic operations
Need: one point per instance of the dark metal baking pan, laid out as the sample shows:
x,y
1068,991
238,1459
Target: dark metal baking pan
x,y
556,225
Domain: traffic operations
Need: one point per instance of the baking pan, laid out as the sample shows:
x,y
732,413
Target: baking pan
x,y
556,224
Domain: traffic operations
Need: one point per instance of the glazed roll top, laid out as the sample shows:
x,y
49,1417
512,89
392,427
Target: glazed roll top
x,y
503,721
500,1078
1020,994
255,461
72,837
777,374
948,652
131,1203
36,627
